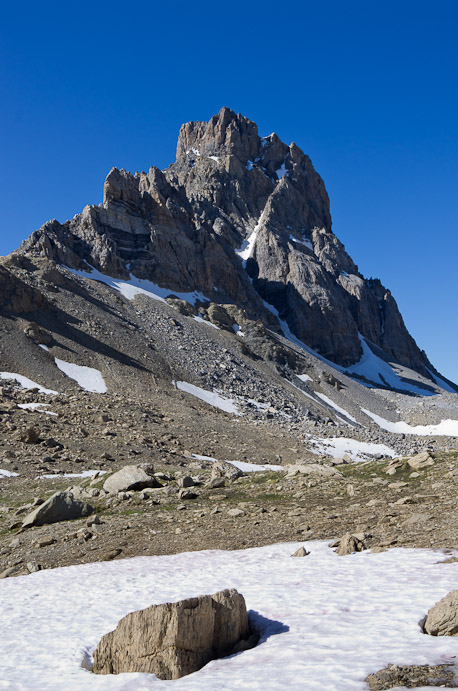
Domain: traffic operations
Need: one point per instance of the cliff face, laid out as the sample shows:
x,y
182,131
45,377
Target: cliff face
x,y
244,220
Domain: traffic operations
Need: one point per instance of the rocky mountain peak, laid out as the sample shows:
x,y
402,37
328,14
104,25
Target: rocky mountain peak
x,y
243,220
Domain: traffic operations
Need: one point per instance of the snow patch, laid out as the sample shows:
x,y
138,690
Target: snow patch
x,y
335,406
336,447
84,473
8,473
241,465
89,378
238,330
331,639
35,406
201,320
44,347
446,428
304,377
26,383
376,370
213,398
440,382
138,286
306,243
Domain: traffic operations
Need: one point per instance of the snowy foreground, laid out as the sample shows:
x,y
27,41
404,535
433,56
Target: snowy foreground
x,y
327,621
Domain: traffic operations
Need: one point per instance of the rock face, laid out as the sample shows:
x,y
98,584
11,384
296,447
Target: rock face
x,y
131,477
62,506
175,639
245,221
442,619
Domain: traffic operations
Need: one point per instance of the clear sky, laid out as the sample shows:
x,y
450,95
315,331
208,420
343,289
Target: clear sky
x,y
367,89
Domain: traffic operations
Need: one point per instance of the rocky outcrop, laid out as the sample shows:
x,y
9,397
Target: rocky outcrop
x,y
245,221
442,618
175,639
62,506
412,676
18,297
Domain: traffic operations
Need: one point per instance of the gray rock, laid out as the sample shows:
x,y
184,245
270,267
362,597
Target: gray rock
x,y
131,477
62,506
225,469
175,639
442,618
301,552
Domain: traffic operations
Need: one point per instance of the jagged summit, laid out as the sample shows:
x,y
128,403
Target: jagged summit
x,y
243,220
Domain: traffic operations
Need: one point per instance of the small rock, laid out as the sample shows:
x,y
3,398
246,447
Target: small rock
x,y
350,543
235,513
33,567
301,552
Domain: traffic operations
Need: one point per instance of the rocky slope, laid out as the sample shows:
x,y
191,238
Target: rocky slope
x,y
243,220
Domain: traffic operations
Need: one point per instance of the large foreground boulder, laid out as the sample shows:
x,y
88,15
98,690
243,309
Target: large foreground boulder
x,y
131,477
62,506
175,639
442,618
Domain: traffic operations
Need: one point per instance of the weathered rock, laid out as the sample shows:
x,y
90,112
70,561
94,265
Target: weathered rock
x,y
301,552
236,513
350,543
412,676
174,639
62,506
131,477
442,618
420,461
315,469
225,469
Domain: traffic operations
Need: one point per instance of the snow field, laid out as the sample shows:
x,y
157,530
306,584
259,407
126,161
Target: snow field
x,y
326,621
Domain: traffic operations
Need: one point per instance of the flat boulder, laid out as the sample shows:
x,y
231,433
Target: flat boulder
x,y
420,461
442,618
61,506
175,639
315,469
131,477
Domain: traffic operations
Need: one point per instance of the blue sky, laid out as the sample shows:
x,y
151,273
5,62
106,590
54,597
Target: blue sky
x,y
368,90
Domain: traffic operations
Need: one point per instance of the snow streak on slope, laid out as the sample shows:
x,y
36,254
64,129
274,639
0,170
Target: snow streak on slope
x,y
88,378
213,398
325,621
447,428
376,370
138,286
25,382
335,406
